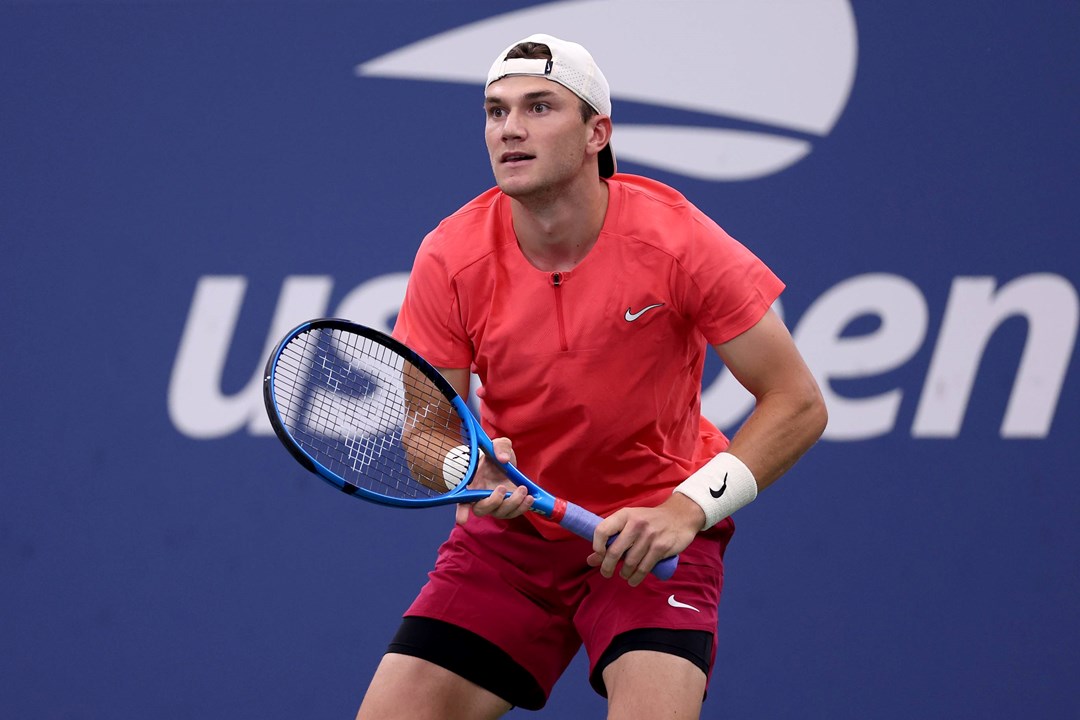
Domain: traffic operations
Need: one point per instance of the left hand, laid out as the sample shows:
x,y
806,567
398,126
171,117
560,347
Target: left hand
x,y
507,500
645,537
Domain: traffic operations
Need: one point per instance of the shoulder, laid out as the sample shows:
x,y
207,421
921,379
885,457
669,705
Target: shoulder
x,y
469,234
650,193
659,215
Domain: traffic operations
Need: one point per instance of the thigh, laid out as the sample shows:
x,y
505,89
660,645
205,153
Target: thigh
x,y
689,601
409,688
472,657
648,684
504,583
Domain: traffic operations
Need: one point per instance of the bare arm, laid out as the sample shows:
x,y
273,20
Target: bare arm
x,y
789,415
459,378
788,418
431,429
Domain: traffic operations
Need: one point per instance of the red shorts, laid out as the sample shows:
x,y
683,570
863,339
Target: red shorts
x,y
539,601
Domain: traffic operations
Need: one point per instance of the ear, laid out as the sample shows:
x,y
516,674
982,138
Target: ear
x,y
599,129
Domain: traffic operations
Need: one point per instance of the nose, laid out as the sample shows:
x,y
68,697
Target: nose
x,y
513,127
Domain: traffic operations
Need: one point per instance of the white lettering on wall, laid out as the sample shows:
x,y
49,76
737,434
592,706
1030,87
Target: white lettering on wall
x,y
901,309
976,307
975,310
197,406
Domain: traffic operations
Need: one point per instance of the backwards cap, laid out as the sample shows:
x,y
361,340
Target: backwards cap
x,y
571,66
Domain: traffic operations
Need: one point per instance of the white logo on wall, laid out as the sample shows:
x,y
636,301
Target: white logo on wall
x,y
785,68
782,69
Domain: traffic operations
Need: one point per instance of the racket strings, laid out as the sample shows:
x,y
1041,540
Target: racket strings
x,y
364,412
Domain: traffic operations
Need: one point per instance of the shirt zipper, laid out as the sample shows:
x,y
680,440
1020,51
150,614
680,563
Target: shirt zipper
x,y
556,283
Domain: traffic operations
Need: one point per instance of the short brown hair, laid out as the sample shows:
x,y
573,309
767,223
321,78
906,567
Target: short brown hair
x,y
540,51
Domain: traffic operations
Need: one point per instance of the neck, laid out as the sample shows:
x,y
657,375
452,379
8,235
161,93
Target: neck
x,y
556,233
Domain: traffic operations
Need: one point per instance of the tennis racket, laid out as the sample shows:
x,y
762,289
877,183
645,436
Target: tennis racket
x,y
372,418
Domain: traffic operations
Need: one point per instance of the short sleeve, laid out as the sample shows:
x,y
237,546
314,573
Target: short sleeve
x,y
429,321
730,289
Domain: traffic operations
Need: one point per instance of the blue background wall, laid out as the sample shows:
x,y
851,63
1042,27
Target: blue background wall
x,y
168,167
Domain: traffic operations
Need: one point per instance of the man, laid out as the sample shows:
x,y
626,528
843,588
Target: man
x,y
584,300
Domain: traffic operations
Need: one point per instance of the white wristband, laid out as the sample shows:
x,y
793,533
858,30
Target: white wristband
x,y
455,465
721,486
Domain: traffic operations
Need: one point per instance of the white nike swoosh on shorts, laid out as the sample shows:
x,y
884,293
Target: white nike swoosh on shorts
x,y
676,604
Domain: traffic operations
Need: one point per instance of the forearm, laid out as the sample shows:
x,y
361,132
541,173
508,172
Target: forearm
x,y
433,430
782,427
435,458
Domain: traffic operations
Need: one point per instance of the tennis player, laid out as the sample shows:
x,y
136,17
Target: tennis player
x,y
585,301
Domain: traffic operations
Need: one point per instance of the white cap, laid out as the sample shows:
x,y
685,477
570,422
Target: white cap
x,y
571,66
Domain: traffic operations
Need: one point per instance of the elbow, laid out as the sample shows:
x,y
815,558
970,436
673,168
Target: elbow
x,y
820,417
814,413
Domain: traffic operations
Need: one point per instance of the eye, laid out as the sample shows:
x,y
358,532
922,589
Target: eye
x,y
495,112
540,108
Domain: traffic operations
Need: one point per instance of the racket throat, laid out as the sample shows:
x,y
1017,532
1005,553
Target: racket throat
x,y
549,507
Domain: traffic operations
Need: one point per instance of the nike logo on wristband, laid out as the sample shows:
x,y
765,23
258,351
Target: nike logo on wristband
x,y
676,604
632,316
718,493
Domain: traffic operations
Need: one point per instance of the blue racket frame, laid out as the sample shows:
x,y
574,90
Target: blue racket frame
x,y
572,517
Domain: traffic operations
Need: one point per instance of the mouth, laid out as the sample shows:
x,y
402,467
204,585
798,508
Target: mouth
x,y
515,158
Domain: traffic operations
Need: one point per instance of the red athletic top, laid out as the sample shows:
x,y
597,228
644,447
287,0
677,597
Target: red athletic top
x,y
594,373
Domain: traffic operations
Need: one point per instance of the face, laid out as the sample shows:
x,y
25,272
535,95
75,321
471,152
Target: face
x,y
536,139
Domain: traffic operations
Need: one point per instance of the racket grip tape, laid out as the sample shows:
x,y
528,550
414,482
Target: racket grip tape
x,y
583,523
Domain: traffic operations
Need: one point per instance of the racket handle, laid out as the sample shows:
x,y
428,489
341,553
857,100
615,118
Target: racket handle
x,y
583,523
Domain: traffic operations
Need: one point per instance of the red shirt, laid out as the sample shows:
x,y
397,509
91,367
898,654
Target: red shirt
x,y
594,373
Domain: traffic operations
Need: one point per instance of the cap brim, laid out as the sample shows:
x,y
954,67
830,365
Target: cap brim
x,y
606,161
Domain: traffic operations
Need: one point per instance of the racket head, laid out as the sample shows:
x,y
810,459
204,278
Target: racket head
x,y
335,393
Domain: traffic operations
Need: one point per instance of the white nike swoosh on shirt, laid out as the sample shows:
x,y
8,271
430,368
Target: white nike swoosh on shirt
x,y
631,317
676,604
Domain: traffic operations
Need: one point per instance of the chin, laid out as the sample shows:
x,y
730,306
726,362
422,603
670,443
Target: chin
x,y
517,186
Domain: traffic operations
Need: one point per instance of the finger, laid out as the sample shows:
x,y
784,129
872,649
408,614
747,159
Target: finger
x,y
515,504
491,503
504,450
462,513
608,528
614,555
639,574
504,502
637,564
610,562
631,560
